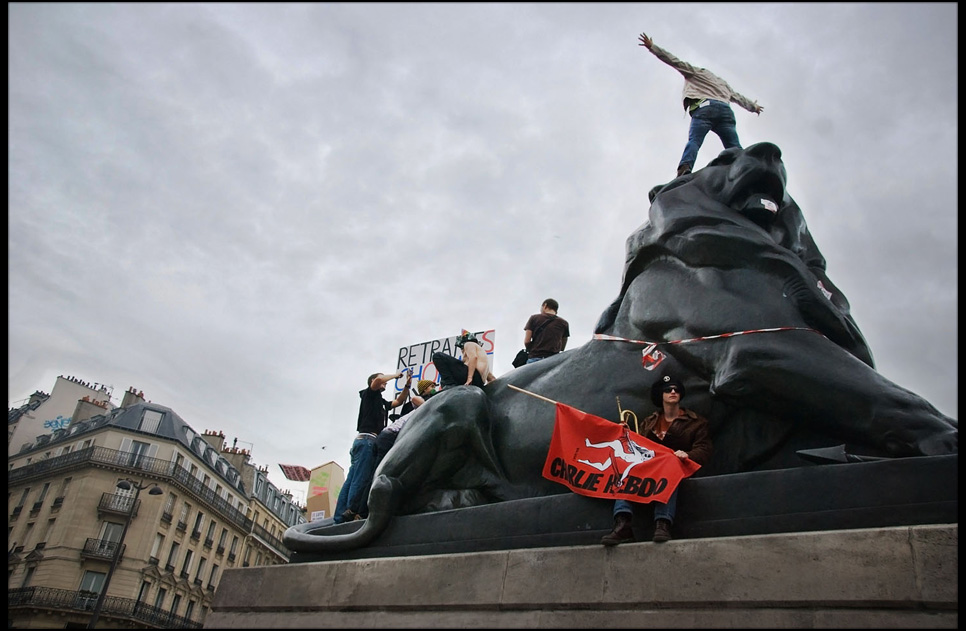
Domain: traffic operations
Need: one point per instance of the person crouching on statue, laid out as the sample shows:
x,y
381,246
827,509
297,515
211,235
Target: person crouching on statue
x,y
677,428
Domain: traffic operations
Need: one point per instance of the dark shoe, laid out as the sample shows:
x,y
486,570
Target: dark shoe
x,y
622,532
662,531
349,515
684,169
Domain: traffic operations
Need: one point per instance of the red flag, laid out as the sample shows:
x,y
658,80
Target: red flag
x,y
598,458
295,472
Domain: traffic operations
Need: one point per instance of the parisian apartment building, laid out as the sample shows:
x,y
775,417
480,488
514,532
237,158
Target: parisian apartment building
x,y
125,517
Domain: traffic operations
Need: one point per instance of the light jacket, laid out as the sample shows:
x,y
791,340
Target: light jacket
x,y
700,83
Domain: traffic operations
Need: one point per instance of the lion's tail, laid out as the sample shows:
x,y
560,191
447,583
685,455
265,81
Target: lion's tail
x,y
310,537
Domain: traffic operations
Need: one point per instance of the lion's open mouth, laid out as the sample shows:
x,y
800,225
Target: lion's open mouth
x,y
758,190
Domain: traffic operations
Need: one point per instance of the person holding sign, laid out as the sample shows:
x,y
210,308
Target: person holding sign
x,y
677,428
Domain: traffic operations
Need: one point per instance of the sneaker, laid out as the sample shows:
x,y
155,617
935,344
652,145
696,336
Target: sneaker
x,y
622,532
684,169
662,531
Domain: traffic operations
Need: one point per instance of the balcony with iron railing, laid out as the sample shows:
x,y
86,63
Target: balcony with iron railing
x,y
118,504
101,549
121,610
271,540
133,464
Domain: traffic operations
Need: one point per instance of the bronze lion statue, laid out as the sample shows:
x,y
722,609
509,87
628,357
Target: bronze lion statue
x,y
725,250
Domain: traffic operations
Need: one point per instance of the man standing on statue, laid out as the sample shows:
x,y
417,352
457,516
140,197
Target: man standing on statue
x,y
707,98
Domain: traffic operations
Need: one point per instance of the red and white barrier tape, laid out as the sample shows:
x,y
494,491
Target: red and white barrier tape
x,y
652,357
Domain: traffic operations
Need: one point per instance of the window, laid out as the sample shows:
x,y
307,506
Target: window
x,y
64,487
143,593
29,574
187,563
90,586
207,481
214,574
43,492
189,610
199,519
173,555
169,505
211,530
139,451
23,498
92,582
234,544
49,529
158,542
111,531
222,538
202,561
88,443
159,599
175,604
150,420
185,509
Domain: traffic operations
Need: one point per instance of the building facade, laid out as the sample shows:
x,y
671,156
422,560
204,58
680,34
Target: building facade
x,y
193,508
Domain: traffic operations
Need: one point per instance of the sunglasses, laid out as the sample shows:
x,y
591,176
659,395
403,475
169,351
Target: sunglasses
x,y
672,389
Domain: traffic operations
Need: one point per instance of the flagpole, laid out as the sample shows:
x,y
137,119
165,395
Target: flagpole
x,y
532,394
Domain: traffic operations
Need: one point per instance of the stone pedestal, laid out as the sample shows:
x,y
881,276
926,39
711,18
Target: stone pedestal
x,y
894,577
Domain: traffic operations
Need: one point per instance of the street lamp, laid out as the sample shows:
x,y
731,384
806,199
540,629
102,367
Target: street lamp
x,y
124,485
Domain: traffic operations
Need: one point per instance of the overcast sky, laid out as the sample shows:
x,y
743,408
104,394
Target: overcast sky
x,y
245,209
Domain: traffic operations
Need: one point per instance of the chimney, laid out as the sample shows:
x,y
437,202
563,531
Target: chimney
x,y
132,397
215,439
86,409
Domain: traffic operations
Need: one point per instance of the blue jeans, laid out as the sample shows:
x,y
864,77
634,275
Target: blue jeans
x,y
661,511
355,491
716,116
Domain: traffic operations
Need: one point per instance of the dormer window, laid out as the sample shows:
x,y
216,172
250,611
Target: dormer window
x,y
150,421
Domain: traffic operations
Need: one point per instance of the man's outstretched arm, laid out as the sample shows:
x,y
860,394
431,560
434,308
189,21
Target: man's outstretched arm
x,y
683,67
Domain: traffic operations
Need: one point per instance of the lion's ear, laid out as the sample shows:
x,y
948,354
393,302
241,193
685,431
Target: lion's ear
x,y
726,157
